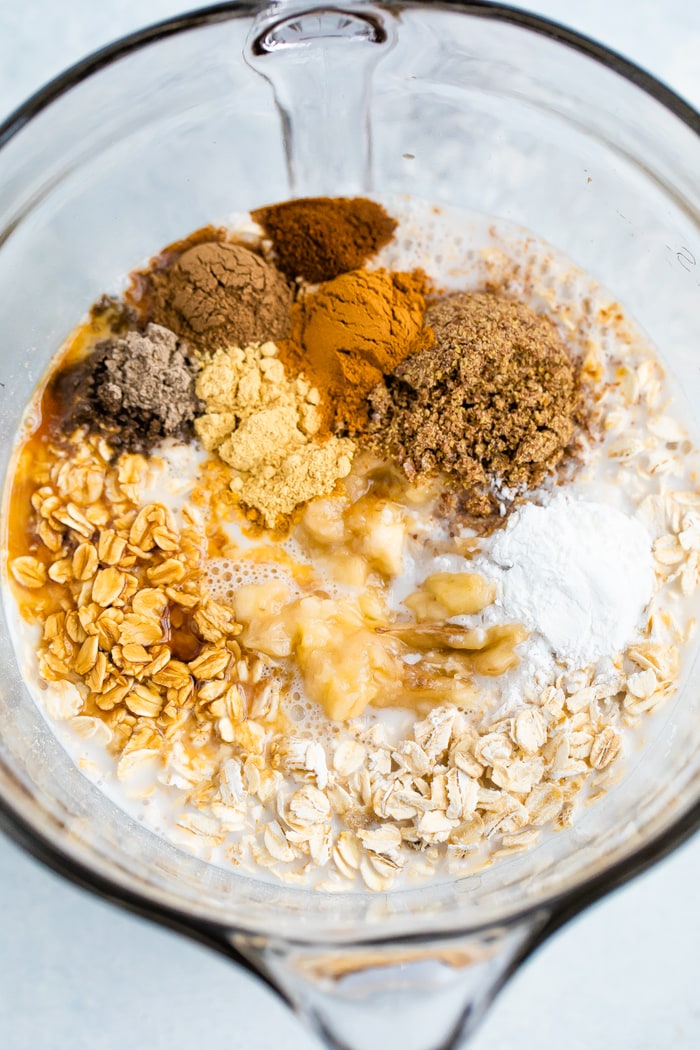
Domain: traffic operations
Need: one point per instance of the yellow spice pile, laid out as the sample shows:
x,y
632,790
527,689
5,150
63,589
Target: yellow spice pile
x,y
268,428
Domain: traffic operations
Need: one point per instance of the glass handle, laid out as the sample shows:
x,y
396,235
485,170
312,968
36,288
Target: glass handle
x,y
427,995
319,61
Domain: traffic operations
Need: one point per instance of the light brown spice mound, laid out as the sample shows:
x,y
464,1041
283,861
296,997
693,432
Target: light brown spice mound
x,y
219,293
494,401
318,238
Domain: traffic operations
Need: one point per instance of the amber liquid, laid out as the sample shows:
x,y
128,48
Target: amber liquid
x,y
51,409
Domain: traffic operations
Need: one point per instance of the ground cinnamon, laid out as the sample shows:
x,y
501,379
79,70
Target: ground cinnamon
x,y
318,238
351,332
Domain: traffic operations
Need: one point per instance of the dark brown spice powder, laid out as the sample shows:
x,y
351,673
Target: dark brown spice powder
x,y
318,238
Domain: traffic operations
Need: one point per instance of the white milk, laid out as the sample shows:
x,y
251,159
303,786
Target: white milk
x,y
460,251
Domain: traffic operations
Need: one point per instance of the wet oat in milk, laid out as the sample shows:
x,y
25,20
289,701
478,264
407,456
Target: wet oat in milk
x,y
354,542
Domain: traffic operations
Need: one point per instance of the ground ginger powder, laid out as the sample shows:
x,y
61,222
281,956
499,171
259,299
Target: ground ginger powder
x,y
268,427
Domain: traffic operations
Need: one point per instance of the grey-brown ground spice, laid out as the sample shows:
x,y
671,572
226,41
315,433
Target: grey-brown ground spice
x,y
493,402
135,389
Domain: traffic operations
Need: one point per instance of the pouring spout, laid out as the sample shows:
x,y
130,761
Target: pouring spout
x,y
319,60
421,995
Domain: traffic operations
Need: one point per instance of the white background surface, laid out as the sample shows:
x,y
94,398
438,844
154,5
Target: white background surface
x,y
75,973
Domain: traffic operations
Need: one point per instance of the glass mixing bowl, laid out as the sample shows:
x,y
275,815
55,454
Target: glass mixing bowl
x,y
475,105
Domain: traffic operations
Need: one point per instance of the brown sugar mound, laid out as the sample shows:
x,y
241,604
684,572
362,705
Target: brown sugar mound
x,y
219,293
318,238
494,401
350,332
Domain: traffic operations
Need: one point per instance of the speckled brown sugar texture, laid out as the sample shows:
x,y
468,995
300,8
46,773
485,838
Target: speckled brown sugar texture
x,y
493,401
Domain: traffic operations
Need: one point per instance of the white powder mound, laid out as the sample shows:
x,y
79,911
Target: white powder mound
x,y
579,573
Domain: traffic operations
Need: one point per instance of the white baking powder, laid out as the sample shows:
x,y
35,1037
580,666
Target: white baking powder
x,y
579,573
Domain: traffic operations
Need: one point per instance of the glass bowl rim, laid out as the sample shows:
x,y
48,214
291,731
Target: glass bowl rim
x,y
557,907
